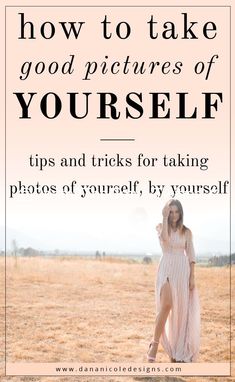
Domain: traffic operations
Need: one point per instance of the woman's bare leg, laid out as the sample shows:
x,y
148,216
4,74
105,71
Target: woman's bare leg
x,y
165,307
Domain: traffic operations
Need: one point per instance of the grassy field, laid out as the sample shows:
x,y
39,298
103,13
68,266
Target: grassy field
x,y
73,309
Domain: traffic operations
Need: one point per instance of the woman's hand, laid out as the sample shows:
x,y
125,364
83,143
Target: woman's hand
x,y
166,210
191,282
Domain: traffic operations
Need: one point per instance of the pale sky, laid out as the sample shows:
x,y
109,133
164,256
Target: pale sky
x,y
121,226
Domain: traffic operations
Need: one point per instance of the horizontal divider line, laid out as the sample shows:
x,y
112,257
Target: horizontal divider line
x,y
117,139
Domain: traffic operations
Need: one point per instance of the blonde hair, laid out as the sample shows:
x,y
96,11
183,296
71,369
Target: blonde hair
x,y
179,225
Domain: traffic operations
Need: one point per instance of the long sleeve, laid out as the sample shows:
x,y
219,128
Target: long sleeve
x,y
159,232
190,252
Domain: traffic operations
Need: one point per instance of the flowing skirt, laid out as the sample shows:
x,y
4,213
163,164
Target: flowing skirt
x,y
181,335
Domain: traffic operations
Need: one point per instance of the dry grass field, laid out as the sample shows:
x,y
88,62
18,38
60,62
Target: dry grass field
x,y
84,310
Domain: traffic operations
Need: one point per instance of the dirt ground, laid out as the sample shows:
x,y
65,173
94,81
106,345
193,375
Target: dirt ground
x,y
84,310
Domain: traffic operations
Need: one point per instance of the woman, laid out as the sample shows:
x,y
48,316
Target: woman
x,y
177,324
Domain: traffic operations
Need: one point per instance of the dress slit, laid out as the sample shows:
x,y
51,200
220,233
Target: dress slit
x,y
160,291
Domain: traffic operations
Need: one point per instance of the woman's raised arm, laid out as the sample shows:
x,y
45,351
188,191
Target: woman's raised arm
x,y
163,228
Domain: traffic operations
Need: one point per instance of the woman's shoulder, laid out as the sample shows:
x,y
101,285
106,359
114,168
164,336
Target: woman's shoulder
x,y
188,233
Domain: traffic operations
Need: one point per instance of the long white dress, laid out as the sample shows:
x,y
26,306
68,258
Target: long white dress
x,y
181,334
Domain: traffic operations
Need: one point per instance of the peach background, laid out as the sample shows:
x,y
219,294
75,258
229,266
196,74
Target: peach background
x,y
218,369
65,136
